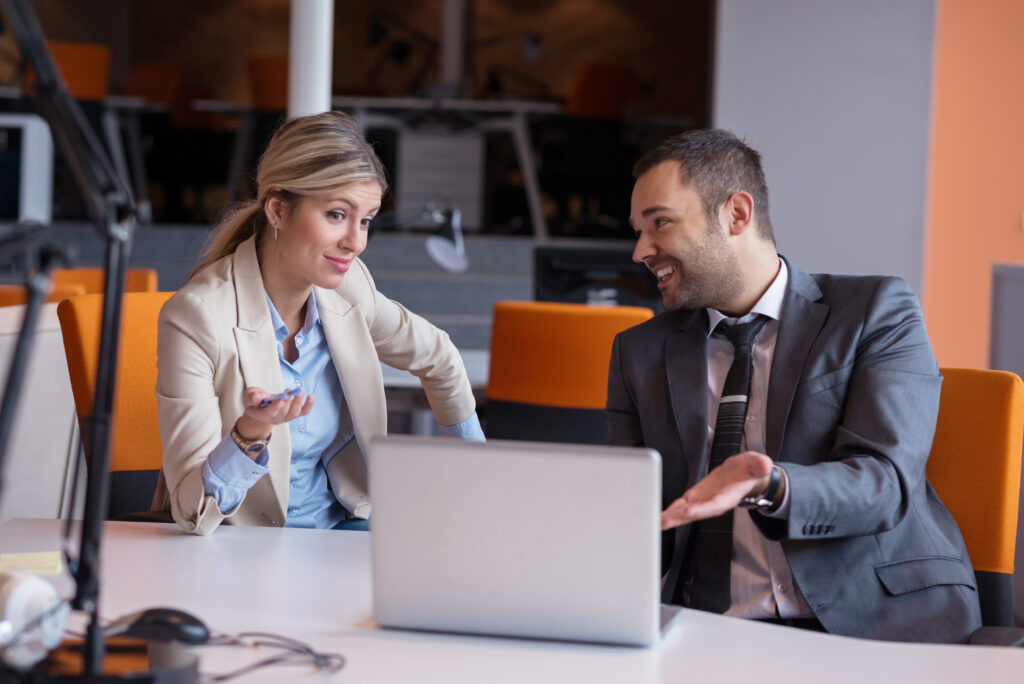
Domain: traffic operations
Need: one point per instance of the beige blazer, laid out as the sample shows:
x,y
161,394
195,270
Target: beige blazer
x,y
216,339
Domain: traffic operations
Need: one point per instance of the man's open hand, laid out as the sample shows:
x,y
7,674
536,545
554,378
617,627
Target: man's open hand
x,y
724,487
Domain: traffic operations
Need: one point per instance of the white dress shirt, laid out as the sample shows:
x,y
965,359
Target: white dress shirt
x,y
761,583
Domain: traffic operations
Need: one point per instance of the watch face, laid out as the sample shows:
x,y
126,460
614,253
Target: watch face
x,y
756,502
256,447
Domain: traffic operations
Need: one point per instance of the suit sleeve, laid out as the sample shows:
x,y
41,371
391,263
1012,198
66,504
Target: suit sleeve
x,y
865,484
409,342
621,409
188,409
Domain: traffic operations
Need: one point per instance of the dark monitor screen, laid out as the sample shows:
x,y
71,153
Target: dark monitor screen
x,y
593,275
10,173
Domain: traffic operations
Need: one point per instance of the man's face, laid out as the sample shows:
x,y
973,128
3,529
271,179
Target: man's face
x,y
692,259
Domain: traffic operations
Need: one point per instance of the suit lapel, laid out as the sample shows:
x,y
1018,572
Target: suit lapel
x,y
254,333
258,357
802,319
356,362
686,363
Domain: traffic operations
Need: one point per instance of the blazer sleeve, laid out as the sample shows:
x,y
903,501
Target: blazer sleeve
x,y
188,409
409,342
621,409
876,465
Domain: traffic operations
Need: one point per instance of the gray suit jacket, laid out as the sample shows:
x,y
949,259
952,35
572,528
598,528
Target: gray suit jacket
x,y
852,402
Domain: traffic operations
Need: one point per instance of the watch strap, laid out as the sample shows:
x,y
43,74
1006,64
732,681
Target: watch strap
x,y
248,446
766,499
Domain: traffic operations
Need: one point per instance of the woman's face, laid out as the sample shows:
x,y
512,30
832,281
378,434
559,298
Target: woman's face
x,y
322,234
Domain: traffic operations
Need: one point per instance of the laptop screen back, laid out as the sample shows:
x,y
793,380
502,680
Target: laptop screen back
x,y
516,538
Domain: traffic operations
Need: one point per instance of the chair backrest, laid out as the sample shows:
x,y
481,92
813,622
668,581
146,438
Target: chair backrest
x,y
268,78
13,295
91,278
84,66
975,466
602,90
135,453
548,377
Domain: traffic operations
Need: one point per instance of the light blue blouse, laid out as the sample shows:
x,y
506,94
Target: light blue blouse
x,y
315,438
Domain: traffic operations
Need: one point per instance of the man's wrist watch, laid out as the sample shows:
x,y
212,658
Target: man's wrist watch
x,y
765,499
250,447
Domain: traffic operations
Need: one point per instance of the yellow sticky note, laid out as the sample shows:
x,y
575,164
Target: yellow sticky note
x,y
41,563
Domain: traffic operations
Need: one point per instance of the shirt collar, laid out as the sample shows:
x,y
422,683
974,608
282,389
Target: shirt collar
x,y
770,303
281,330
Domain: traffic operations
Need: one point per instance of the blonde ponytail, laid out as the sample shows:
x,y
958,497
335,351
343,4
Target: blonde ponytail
x,y
237,227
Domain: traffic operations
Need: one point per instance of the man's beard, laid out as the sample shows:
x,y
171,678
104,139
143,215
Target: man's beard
x,y
711,280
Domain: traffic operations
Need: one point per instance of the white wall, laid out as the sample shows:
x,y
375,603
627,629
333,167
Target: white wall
x,y
836,96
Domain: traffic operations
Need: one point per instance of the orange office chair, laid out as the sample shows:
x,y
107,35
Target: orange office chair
x,y
268,78
975,466
135,454
84,66
549,369
602,90
91,278
13,295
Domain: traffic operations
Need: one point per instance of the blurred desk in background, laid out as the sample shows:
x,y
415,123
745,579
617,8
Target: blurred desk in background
x,y
121,133
405,394
241,150
440,146
121,116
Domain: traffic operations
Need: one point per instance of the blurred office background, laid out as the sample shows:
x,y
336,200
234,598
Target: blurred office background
x,y
602,81
889,139
890,135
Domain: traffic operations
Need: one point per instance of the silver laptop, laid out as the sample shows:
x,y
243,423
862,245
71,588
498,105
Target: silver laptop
x,y
524,539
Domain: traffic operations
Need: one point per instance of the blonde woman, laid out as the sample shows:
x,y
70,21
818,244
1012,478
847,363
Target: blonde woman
x,y
282,302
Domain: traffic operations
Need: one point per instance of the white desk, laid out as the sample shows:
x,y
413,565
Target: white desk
x,y
314,585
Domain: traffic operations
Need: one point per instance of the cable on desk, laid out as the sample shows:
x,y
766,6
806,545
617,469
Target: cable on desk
x,y
293,651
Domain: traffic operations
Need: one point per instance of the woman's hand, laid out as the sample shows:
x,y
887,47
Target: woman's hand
x,y
257,422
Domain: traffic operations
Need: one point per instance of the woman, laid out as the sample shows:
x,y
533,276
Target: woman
x,y
282,301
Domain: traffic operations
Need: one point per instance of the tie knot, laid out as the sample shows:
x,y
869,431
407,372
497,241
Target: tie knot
x,y
743,334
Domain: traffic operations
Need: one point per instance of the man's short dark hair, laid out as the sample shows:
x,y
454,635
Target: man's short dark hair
x,y
717,164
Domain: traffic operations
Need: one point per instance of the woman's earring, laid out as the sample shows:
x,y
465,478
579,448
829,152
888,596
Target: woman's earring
x,y
275,231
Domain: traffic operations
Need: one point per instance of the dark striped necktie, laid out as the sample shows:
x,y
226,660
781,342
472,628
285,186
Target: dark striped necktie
x,y
706,584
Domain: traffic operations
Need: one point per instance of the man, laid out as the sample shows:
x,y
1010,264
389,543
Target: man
x,y
799,496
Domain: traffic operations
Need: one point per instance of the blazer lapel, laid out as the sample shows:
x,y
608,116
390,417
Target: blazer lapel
x,y
356,362
802,319
686,363
254,333
258,357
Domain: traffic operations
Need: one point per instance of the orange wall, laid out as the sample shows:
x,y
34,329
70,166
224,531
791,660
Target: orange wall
x,y
976,188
